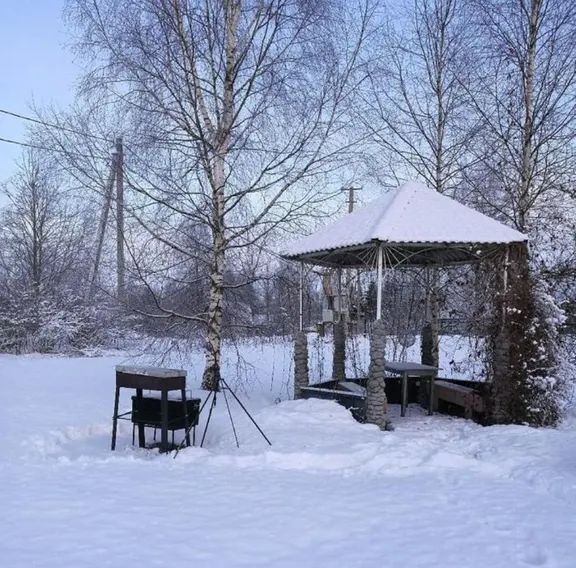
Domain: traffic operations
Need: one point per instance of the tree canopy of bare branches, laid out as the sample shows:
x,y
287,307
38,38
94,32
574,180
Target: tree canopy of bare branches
x,y
239,108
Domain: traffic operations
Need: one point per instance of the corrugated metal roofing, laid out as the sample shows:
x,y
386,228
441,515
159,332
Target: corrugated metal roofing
x,y
413,213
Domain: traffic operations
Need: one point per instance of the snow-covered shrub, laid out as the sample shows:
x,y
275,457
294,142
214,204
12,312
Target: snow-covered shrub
x,y
55,325
548,375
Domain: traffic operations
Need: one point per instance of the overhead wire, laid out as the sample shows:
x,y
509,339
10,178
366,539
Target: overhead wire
x,y
78,154
45,148
59,127
81,155
51,125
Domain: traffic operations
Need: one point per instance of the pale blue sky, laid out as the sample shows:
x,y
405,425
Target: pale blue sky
x,y
35,66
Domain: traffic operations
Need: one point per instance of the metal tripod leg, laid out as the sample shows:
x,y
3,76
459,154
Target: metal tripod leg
x,y
186,425
212,406
192,427
230,415
246,411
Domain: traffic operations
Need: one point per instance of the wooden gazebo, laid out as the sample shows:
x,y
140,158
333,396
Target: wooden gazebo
x,y
410,226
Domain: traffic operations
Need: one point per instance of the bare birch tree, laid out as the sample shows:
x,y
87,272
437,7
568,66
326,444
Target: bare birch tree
x,y
41,232
238,107
418,111
525,98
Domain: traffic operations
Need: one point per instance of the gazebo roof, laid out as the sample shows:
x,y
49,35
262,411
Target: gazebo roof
x,y
415,224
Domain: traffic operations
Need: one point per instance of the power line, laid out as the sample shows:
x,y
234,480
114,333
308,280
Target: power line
x,y
45,148
55,126
75,154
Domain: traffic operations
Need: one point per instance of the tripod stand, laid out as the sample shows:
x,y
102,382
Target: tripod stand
x,y
223,387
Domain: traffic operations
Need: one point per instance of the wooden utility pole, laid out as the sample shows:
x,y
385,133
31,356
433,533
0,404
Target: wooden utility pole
x,y
351,203
120,260
351,200
101,230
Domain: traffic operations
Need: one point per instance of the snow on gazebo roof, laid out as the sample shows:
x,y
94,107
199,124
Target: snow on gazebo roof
x,y
422,224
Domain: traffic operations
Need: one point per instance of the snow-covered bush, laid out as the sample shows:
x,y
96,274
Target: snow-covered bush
x,y
549,374
54,325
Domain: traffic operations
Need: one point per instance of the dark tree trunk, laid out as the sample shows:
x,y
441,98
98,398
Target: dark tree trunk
x,y
525,387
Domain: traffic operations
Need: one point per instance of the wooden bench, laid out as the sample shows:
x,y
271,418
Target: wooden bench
x,y
466,398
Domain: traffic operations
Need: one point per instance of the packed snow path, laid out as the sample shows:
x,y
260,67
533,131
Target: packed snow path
x,y
436,492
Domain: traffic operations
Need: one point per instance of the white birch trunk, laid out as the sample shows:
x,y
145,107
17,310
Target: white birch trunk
x,y
217,176
211,375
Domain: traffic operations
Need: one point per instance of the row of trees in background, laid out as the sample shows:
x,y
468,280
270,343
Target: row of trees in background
x,y
48,241
241,121
45,232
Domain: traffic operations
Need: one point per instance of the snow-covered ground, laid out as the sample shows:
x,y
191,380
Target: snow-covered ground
x,y
436,492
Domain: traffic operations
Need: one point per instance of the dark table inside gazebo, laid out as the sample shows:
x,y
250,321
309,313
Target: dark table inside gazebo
x,y
410,370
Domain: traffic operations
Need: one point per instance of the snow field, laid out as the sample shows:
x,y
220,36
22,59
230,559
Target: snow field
x,y
436,492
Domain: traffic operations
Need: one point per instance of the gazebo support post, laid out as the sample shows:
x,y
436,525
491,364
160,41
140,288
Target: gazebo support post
x,y
431,329
301,299
339,336
376,402
379,284
426,358
500,348
430,335
339,355
435,317
301,375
